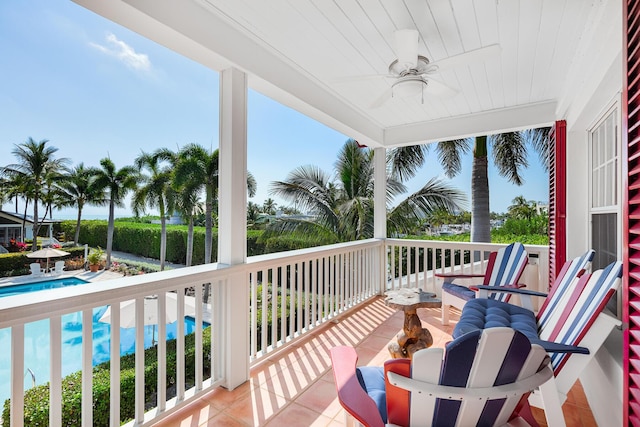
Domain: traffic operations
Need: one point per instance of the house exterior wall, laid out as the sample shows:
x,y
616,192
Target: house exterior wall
x,y
586,104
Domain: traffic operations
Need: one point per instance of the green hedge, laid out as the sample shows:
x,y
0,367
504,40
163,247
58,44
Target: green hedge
x,y
36,399
17,263
143,239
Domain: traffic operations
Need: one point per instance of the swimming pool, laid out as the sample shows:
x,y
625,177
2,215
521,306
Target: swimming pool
x,y
37,341
9,290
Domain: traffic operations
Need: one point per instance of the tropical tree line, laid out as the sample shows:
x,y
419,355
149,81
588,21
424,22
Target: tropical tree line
x,y
338,206
164,180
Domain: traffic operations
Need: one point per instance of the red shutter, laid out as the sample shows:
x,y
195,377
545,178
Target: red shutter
x,y
631,213
557,199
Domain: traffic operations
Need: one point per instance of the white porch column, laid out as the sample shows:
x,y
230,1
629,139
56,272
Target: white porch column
x,y
232,220
380,193
380,210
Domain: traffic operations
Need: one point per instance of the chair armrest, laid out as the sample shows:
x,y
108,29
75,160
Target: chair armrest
x,y
511,290
352,396
483,291
458,276
554,347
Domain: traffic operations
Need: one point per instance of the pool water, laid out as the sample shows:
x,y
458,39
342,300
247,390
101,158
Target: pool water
x,y
6,291
37,340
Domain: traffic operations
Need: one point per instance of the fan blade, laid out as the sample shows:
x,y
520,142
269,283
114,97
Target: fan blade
x,y
406,48
381,99
477,55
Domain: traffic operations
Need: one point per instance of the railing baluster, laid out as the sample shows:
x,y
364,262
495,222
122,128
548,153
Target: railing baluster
x,y
87,367
313,286
198,335
274,307
139,358
161,395
265,312
17,376
55,369
180,344
253,283
114,374
300,283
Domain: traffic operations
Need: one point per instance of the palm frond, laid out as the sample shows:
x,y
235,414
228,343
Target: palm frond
x,y
404,162
510,155
450,155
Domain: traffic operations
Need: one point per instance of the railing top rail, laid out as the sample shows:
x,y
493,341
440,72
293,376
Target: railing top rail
x,y
15,310
290,257
441,244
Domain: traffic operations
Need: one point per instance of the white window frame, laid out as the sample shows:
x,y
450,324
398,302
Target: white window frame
x,y
612,108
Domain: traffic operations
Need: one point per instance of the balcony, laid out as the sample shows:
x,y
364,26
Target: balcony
x,y
295,387
300,304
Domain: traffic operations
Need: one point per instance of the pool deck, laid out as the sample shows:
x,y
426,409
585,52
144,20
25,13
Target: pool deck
x,y
80,274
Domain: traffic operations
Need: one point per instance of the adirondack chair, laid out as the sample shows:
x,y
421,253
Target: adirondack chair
x,y
505,267
480,379
572,326
58,269
36,271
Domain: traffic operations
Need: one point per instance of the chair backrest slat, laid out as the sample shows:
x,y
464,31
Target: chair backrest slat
x,y
571,270
586,303
508,267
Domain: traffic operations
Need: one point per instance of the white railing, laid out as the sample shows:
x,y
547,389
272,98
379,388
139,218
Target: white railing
x,y
294,292
290,294
412,263
83,304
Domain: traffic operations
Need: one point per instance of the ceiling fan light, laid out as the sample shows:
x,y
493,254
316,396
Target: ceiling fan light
x,y
406,88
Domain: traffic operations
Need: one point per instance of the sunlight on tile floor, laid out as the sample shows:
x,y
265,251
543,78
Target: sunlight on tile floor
x,y
295,387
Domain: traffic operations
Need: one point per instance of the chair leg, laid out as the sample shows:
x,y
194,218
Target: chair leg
x,y
551,402
445,314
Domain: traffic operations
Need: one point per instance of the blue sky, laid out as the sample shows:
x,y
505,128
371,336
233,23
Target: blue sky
x,y
95,89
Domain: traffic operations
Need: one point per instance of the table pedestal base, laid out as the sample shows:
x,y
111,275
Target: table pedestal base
x,y
412,338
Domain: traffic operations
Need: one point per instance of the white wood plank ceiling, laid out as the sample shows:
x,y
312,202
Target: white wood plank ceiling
x,y
326,57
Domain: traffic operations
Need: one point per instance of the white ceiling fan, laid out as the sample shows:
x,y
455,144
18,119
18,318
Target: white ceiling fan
x,y
412,73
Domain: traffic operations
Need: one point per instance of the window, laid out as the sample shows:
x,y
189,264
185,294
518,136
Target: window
x,y
605,195
604,161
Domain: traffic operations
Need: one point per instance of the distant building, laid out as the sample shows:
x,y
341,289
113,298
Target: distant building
x,y
11,227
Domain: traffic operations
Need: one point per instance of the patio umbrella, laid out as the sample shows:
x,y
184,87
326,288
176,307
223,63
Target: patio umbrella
x,y
128,311
47,253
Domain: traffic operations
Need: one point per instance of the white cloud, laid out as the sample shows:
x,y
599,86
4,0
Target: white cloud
x,y
124,52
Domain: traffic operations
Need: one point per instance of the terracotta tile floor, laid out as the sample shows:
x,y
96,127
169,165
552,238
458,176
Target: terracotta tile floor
x,y
295,387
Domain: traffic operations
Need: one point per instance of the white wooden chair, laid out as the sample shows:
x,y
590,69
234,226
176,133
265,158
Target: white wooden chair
x,y
480,379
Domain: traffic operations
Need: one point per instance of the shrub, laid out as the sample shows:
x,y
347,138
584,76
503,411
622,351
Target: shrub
x,y
36,399
17,263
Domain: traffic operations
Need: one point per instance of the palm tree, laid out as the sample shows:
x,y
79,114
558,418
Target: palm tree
x,y
78,190
156,190
509,155
118,183
342,209
253,214
35,167
521,208
269,206
197,169
188,204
